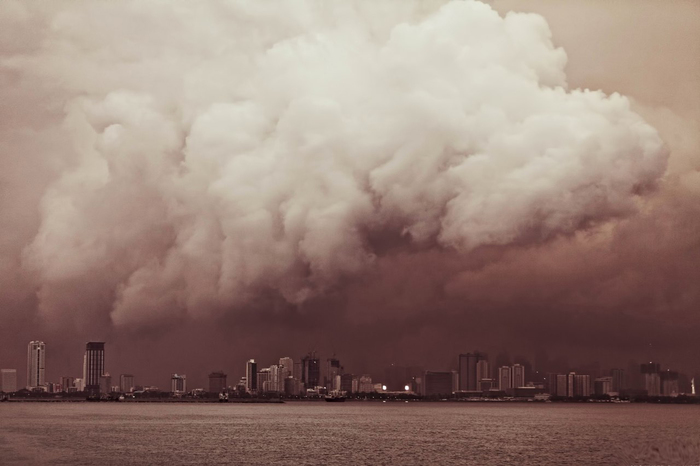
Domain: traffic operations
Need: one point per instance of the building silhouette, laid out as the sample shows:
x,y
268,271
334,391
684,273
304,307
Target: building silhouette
x,y
468,374
126,383
36,364
178,384
651,378
437,383
94,366
310,370
8,380
505,378
251,376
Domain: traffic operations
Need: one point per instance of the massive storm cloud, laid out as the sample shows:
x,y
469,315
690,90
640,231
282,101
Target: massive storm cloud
x,y
190,158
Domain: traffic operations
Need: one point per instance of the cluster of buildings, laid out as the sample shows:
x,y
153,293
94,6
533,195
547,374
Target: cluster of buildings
x,y
309,377
294,378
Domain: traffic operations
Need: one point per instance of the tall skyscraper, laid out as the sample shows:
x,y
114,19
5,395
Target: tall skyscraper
x,y
287,365
251,375
178,384
505,378
468,380
94,363
310,370
36,363
332,370
482,371
8,380
652,380
518,376
618,380
669,383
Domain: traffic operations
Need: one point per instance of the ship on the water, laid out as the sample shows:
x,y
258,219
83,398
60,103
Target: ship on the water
x,y
335,397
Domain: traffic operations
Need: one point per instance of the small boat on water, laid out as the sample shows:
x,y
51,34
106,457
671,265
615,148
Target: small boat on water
x,y
335,397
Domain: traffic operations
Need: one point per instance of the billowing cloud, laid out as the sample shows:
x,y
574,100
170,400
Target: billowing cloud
x,y
198,156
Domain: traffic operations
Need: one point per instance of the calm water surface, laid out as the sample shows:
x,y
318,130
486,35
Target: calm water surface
x,y
348,433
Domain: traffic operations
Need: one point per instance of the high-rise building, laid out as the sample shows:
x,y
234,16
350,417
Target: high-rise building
x,y
287,365
346,383
105,383
333,369
365,384
36,364
8,380
80,384
438,383
603,386
562,385
551,383
618,380
505,377
263,379
468,380
126,383
652,380
251,376
94,366
217,382
67,384
276,381
571,385
482,371
311,371
178,384
669,383
582,385
518,376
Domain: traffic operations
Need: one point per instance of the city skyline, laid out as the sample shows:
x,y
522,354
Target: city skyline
x,y
473,372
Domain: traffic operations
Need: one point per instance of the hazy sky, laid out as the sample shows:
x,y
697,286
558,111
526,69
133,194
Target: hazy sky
x,y
398,181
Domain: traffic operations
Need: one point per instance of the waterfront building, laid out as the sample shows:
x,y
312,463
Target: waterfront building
x,y
562,385
669,383
311,370
603,386
263,380
105,385
126,383
178,384
438,383
365,384
618,380
36,364
287,365
518,376
292,387
582,385
346,384
8,380
333,369
652,380
79,384
251,376
505,378
468,377
217,382
94,366
67,384
482,372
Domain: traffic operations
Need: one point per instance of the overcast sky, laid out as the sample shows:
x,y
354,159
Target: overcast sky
x,y
399,181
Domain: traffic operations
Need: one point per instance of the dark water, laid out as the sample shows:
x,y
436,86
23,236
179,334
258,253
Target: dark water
x,y
348,433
